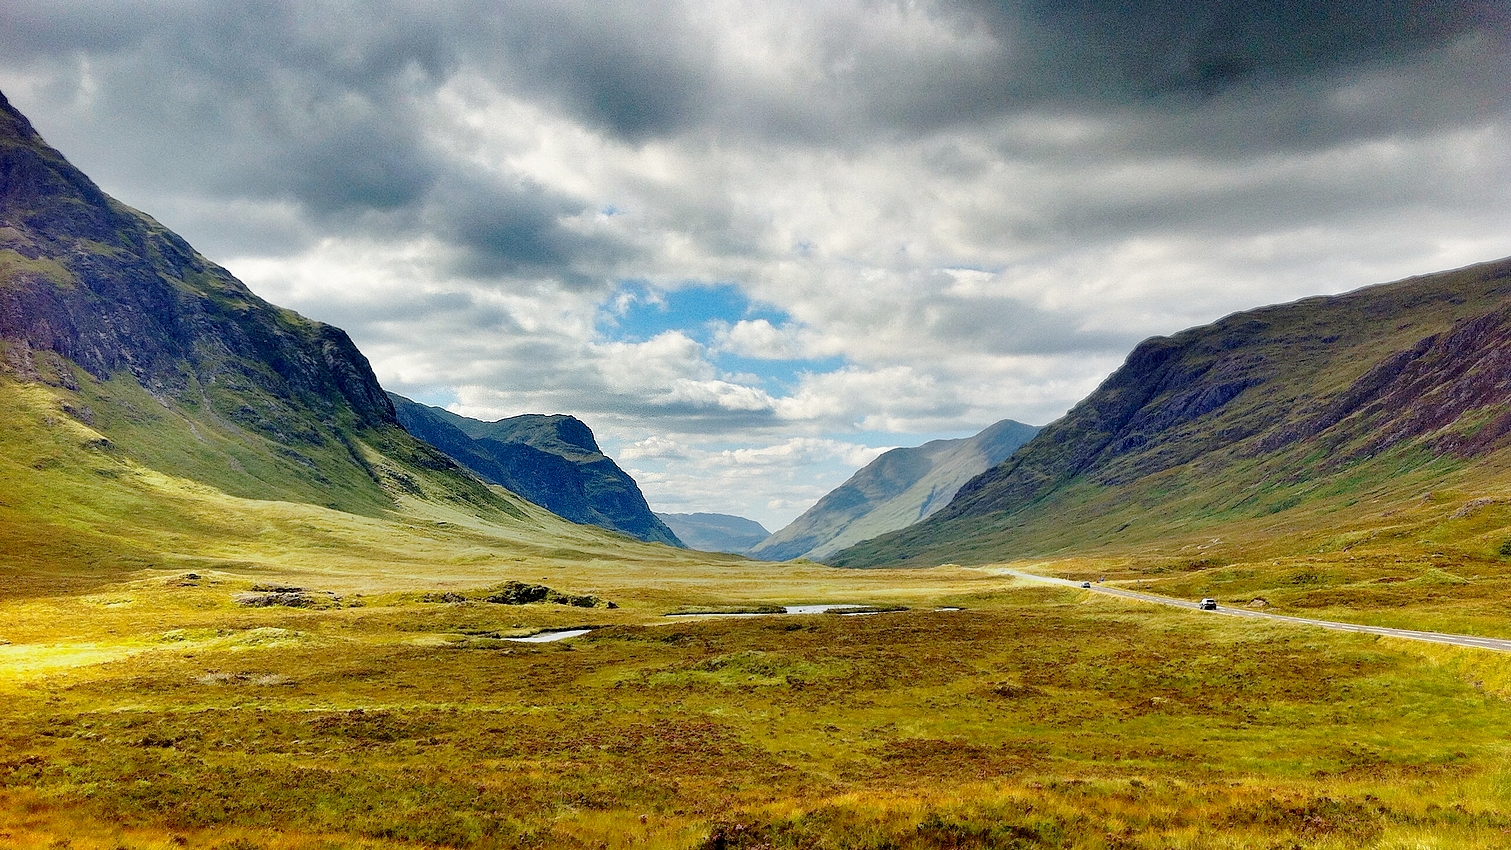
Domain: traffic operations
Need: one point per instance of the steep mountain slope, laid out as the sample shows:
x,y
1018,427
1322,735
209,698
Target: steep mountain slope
x,y
716,532
96,297
151,406
894,491
1285,426
551,460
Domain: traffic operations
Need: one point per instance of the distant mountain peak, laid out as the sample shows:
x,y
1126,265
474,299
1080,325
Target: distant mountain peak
x,y
558,433
551,459
713,532
899,488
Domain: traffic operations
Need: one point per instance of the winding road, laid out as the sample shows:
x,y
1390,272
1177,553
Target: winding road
x,y
1496,644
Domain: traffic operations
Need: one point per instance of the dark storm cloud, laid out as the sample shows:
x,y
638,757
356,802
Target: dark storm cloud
x,y
1004,325
1159,46
329,72
322,107
515,229
260,100
317,104
634,69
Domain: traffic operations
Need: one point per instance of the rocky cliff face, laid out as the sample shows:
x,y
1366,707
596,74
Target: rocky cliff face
x,y
894,491
554,461
1203,425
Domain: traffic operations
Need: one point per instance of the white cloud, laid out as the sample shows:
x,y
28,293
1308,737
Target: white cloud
x,y
654,448
656,366
974,209
721,394
760,339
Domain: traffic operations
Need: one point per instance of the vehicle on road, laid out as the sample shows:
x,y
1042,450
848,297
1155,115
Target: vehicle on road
x,y
1086,584
1208,604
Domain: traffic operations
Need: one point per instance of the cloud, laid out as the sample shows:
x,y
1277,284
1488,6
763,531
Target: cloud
x,y
759,338
1148,47
655,448
732,226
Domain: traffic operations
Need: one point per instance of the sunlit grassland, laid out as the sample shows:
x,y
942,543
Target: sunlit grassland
x,y
1437,560
142,707
155,712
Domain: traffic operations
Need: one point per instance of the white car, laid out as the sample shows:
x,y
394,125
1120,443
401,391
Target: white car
x,y
1208,604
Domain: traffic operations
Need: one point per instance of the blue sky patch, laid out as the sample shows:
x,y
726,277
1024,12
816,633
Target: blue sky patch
x,y
637,312
782,373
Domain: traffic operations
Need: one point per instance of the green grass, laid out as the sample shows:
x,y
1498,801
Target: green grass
x,y
156,713
143,709
16,267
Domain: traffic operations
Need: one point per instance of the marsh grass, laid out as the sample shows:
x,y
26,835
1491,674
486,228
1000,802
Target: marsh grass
x,y
1036,718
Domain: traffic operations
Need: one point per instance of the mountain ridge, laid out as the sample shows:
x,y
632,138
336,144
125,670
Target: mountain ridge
x,y
1255,414
551,459
895,490
92,282
713,532
158,413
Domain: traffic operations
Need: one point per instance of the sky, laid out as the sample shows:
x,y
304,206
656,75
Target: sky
x,y
754,244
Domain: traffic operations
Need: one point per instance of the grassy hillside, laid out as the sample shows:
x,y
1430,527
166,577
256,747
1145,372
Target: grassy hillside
x,y
82,504
171,358
1276,431
153,411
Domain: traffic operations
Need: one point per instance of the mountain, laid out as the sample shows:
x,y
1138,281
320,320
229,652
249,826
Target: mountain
x,y
99,299
1287,428
154,412
894,491
716,532
551,460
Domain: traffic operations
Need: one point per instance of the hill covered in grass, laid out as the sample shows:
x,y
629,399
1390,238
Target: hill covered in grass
x,y
1310,426
171,357
152,408
894,491
552,460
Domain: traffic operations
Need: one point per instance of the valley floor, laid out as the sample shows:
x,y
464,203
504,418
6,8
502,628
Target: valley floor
x,y
156,712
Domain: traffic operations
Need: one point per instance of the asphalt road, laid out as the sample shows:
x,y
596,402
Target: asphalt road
x,y
1496,644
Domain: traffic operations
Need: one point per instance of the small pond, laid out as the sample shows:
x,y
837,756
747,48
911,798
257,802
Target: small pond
x,y
849,609
844,610
548,637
